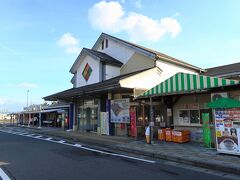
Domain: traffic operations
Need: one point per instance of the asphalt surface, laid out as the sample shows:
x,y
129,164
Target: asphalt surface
x,y
23,158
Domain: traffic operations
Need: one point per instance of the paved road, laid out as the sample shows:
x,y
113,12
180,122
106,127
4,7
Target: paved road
x,y
23,158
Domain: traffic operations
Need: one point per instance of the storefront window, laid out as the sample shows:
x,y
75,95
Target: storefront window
x,y
189,117
194,116
184,116
142,115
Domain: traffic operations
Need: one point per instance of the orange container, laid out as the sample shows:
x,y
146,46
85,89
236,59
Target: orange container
x,y
181,136
162,134
168,134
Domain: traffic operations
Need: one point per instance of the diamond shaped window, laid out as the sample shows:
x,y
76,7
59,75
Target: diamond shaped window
x,y
87,71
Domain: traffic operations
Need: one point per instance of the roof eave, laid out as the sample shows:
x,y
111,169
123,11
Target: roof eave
x,y
180,63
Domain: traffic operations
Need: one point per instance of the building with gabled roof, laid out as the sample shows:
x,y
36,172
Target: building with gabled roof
x,y
112,71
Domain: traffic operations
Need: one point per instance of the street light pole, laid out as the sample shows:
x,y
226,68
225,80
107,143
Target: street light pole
x,y
40,117
29,115
27,98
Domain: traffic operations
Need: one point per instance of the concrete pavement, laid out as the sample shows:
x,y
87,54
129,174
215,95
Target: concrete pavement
x,y
188,153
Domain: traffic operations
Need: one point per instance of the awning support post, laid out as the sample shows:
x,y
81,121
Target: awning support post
x,y
151,123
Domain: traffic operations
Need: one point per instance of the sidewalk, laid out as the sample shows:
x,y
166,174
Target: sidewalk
x,y
188,153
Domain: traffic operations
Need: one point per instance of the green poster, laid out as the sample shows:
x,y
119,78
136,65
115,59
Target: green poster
x,y
206,130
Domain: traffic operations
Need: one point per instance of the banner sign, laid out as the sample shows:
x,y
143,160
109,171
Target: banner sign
x,y
120,111
227,130
133,123
104,123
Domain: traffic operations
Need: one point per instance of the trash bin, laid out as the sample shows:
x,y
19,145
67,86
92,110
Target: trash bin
x,y
147,134
168,134
162,134
181,136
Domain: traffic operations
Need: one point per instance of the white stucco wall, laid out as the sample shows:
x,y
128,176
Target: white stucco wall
x,y
94,77
171,69
112,71
117,51
144,80
137,62
196,132
200,99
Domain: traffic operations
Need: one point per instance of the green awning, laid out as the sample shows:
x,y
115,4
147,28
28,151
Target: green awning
x,y
224,103
183,83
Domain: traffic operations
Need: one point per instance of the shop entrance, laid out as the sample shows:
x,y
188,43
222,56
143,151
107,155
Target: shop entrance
x,y
87,116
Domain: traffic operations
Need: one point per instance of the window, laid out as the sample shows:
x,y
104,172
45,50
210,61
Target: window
x,y
106,43
189,117
184,116
102,44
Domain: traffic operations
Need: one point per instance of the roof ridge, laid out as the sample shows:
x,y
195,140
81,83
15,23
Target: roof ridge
x,y
156,53
223,66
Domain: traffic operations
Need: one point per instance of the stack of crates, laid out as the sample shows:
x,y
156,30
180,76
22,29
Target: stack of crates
x,y
180,136
162,134
168,134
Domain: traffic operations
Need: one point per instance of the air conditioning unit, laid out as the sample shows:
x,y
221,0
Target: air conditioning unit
x,y
215,96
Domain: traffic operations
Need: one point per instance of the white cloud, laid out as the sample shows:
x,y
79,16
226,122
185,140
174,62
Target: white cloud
x,y
138,4
28,85
106,16
171,25
24,85
69,42
110,17
2,100
11,105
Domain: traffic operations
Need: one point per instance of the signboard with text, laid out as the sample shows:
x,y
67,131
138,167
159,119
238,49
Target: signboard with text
x,y
227,130
120,111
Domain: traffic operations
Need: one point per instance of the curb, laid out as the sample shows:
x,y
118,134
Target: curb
x,y
186,160
190,161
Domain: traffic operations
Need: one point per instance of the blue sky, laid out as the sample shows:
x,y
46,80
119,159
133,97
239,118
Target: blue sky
x,y
40,40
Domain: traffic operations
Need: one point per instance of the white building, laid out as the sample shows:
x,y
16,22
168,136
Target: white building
x,y
115,69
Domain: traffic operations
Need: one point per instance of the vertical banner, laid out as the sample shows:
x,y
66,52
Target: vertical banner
x,y
133,123
104,123
108,109
206,130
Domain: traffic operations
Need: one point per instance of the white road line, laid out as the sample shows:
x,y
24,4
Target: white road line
x,y
3,175
130,157
89,149
23,134
37,136
77,145
118,155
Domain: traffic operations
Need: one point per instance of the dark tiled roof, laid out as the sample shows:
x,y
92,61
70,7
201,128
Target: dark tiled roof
x,y
229,70
107,85
157,54
104,57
